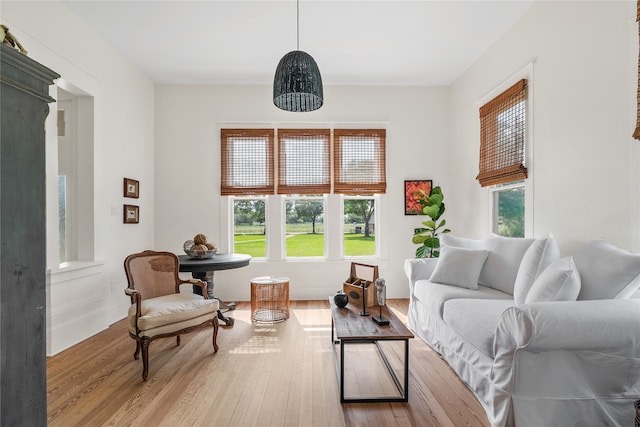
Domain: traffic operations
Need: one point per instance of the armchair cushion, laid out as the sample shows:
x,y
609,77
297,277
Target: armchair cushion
x,y
170,309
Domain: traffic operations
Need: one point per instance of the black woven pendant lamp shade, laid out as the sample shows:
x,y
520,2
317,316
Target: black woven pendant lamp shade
x,y
297,85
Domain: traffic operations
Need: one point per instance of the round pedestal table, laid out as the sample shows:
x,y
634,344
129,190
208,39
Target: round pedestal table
x,y
203,269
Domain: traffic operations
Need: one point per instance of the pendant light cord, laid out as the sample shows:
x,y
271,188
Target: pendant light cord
x,y
298,25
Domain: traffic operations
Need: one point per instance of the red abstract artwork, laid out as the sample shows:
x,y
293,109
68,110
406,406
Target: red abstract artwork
x,y
412,195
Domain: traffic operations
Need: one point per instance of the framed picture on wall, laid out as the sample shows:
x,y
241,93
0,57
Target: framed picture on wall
x,y
131,188
412,191
131,214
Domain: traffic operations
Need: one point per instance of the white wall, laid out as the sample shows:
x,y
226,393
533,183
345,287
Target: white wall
x,y
86,297
585,162
188,119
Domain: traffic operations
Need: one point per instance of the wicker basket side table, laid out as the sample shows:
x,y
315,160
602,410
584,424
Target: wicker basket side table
x,y
269,299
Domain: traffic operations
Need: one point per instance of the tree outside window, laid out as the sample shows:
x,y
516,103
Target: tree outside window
x,y
304,225
359,227
249,228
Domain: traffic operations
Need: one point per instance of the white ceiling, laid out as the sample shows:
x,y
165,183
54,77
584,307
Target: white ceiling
x,y
358,42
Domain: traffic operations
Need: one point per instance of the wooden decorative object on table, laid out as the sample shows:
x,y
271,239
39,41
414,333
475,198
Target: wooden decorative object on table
x,y
362,275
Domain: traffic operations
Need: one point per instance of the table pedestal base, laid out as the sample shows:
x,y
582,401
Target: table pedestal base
x,y
226,306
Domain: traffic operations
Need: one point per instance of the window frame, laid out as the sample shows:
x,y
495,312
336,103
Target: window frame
x,y
529,182
376,201
232,214
283,223
333,203
494,210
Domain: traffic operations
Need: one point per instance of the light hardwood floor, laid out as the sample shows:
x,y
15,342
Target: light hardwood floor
x,y
263,375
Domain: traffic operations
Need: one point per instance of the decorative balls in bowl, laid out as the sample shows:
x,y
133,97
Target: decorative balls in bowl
x,y
199,247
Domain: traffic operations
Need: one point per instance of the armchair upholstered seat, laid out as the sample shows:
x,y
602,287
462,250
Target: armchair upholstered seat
x,y
158,308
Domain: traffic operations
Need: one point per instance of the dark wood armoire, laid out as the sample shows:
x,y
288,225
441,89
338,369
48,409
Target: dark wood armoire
x,y
24,98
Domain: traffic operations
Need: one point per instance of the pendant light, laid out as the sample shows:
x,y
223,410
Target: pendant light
x,y
297,85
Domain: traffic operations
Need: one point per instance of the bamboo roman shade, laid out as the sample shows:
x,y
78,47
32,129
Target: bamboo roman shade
x,y
359,161
247,162
304,161
502,137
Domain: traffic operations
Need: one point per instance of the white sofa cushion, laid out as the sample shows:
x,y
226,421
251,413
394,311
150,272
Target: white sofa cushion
x,y
541,254
503,261
449,239
501,268
607,271
476,320
434,295
558,282
459,267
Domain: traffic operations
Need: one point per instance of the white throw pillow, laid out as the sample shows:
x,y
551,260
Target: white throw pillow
x,y
459,267
607,271
541,254
558,282
503,262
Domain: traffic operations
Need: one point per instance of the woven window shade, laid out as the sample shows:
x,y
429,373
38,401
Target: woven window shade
x,y
303,161
359,161
502,137
246,162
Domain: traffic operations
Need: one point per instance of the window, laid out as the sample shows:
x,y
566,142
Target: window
x,y
246,161
502,137
304,228
299,170
359,231
508,210
303,161
359,161
503,131
62,218
75,171
249,227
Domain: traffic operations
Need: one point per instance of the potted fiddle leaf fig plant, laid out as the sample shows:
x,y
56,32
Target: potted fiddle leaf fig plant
x,y
432,205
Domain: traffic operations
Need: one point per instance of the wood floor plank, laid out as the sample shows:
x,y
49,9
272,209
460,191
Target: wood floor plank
x,y
262,375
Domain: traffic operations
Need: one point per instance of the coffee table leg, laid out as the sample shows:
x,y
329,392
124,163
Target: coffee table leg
x,y
341,371
406,370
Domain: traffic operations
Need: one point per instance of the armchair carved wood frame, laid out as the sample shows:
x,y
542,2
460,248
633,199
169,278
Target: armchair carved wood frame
x,y
158,308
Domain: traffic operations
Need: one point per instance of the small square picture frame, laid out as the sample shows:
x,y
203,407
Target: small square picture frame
x,y
131,188
130,214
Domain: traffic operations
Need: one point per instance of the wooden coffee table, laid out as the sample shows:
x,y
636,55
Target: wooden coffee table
x,y
348,327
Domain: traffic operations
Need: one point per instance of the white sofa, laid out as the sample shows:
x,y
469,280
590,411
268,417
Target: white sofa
x,y
540,340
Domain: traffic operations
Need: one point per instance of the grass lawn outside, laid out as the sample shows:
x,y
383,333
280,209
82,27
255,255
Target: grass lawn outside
x,y
304,245
252,244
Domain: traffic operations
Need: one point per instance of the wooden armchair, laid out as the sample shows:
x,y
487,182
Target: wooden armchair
x,y
158,308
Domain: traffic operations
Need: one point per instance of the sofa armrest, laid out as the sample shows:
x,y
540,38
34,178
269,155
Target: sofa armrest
x,y
417,269
611,326
608,327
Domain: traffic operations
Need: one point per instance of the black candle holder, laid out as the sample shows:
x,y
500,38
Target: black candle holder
x,y
380,320
364,299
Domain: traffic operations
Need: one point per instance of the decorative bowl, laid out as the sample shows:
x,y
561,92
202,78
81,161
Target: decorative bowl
x,y
201,254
